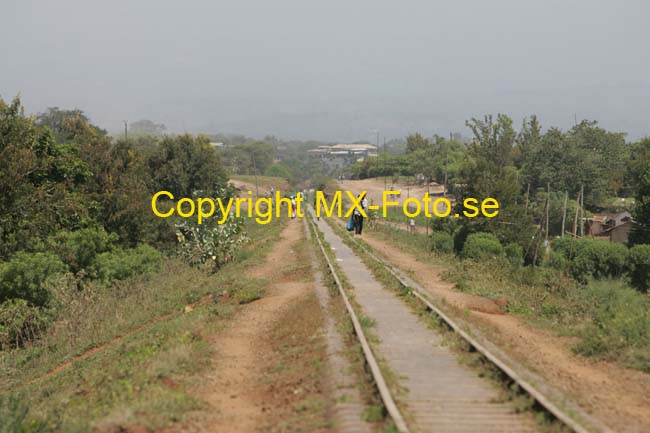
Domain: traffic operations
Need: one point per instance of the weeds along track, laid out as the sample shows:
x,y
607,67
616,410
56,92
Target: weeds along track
x,y
565,417
384,392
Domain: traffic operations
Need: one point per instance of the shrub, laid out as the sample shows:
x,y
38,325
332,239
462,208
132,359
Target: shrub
x,y
212,243
558,261
639,267
562,246
121,264
482,245
460,236
23,277
598,259
515,253
442,242
21,322
620,325
447,225
79,249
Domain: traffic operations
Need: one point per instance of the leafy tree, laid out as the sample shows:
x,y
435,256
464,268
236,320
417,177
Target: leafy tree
x,y
279,170
417,142
185,164
40,181
493,140
68,124
641,231
147,127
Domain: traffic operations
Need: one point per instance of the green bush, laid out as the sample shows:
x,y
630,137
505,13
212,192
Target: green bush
x,y
515,253
592,257
558,261
447,225
598,259
562,246
80,248
620,325
639,267
120,264
21,322
442,242
460,237
23,276
482,245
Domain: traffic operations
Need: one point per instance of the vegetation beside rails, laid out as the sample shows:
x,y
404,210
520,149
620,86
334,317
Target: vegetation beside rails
x,y
510,392
609,318
375,411
124,355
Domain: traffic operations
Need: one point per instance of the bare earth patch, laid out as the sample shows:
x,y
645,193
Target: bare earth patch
x,y
263,361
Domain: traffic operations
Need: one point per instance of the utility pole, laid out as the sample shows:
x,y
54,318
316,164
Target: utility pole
x,y
428,183
548,203
575,224
125,130
566,198
408,195
575,217
444,193
385,173
257,191
582,210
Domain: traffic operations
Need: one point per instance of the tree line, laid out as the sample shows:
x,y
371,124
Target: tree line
x,y
76,201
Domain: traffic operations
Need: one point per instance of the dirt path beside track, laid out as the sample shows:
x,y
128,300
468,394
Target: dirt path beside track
x,y
618,397
243,393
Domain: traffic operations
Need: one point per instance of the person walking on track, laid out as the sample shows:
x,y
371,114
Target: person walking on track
x,y
357,217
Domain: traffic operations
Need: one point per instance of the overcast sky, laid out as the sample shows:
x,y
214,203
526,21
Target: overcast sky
x,y
333,70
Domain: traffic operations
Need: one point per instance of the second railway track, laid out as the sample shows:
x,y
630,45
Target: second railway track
x,y
442,394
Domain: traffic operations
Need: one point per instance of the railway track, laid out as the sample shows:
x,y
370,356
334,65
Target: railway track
x,y
443,395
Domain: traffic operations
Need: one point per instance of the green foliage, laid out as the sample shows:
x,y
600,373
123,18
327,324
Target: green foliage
x,y
210,242
145,127
641,230
80,248
14,415
481,246
585,155
620,326
515,253
121,264
39,179
557,260
253,157
639,267
185,164
279,170
593,258
442,242
23,277
460,237
447,225
21,322
493,140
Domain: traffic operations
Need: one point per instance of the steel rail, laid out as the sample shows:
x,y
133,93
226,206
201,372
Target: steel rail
x,y
517,378
384,391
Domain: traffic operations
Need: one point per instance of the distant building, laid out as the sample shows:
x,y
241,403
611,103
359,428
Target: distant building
x,y
613,226
354,151
338,156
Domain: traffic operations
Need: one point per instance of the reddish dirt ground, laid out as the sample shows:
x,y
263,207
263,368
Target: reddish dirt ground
x,y
242,392
618,397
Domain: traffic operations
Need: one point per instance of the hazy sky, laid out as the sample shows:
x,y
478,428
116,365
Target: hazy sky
x,y
333,70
